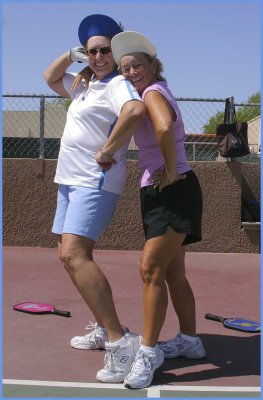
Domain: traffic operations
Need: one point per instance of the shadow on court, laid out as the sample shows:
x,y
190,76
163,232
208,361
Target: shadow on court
x,y
36,347
230,356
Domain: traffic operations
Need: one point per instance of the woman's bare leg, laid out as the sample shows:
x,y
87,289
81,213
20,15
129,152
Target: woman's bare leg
x,y
76,254
157,255
181,293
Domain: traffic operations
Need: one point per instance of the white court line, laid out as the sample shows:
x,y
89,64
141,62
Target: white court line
x,y
152,392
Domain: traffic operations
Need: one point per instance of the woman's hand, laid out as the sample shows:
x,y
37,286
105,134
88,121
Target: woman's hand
x,y
105,161
161,180
78,54
85,74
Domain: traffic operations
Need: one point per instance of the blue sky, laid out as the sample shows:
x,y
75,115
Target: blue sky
x,y
208,49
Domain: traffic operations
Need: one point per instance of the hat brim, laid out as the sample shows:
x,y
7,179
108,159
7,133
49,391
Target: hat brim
x,y
130,42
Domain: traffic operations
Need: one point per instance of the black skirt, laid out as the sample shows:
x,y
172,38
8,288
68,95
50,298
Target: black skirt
x,y
178,205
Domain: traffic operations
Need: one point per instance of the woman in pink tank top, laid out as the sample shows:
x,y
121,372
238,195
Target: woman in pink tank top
x,y
171,205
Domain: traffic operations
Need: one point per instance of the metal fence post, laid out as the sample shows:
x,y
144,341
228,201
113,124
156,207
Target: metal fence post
x,y
42,128
193,151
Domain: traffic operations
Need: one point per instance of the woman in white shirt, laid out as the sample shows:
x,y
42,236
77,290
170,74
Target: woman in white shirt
x,y
88,193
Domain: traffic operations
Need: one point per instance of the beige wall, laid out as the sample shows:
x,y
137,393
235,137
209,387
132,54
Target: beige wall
x,y
27,124
254,134
29,201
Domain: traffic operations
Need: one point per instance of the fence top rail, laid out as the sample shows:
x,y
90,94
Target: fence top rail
x,y
177,98
38,96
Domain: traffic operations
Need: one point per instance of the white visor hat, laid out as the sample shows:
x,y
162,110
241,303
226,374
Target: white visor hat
x,y
130,42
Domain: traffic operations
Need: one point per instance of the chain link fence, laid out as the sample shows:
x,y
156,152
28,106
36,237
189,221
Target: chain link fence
x,y
32,126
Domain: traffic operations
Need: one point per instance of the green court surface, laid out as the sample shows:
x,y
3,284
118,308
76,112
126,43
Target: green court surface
x,y
31,389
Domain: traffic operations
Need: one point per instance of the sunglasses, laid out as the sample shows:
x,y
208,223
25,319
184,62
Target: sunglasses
x,y
102,50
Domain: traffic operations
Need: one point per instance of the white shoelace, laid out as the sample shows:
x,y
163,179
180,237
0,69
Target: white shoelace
x,y
141,363
94,329
92,325
109,362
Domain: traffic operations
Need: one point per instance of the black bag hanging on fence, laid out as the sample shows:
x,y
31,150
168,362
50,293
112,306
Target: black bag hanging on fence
x,y
232,135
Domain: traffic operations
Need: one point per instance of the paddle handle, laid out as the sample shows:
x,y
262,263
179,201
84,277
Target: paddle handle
x,y
214,317
61,313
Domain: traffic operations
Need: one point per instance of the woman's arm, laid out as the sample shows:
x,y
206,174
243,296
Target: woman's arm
x,y
84,75
163,115
55,72
130,116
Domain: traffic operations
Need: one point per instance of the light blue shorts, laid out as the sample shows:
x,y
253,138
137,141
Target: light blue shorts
x,y
84,211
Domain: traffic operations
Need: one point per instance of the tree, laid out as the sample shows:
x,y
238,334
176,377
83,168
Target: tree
x,y
243,113
61,102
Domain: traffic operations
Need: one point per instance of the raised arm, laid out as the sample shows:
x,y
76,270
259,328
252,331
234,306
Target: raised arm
x,y
55,72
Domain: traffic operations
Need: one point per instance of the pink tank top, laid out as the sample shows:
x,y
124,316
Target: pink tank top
x,y
150,156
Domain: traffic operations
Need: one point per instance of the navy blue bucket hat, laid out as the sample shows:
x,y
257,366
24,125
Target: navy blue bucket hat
x,y
97,25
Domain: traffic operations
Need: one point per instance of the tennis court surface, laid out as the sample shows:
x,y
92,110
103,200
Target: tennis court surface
x,y
38,361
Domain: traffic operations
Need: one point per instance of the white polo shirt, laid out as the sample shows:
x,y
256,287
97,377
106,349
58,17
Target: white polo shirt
x,y
90,120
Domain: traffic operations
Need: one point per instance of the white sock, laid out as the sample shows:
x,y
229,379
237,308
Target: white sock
x,y
120,342
188,337
147,349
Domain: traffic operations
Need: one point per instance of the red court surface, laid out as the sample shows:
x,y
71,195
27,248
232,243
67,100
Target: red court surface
x,y
38,359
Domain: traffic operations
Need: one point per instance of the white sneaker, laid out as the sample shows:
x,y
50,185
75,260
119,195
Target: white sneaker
x,y
143,368
180,347
94,340
118,359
